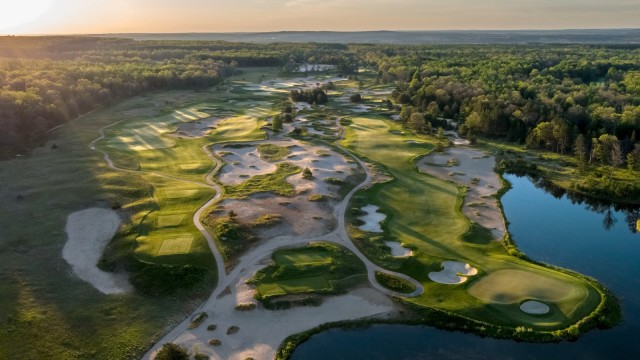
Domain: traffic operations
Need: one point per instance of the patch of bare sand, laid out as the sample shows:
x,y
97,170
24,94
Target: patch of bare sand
x,y
245,162
89,231
475,170
262,331
453,272
299,215
397,250
241,164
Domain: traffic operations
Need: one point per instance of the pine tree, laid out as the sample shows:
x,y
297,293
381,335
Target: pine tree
x,y
580,152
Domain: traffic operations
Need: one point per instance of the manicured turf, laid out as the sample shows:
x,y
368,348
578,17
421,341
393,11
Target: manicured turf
x,y
295,286
317,268
423,213
306,256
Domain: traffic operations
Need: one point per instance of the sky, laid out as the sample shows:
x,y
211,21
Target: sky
x,y
158,16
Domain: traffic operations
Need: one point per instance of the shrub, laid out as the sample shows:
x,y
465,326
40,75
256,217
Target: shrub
x,y
199,319
245,307
215,342
171,351
395,283
162,279
233,330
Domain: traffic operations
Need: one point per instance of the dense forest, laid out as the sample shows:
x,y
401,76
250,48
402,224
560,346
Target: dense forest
x,y
566,98
582,99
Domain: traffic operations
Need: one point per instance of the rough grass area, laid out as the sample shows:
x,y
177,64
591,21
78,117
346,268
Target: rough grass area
x,y
268,220
275,182
424,213
322,268
45,311
270,152
395,283
233,237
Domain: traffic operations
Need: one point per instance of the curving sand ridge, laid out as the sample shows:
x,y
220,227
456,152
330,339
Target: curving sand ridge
x,y
88,232
453,272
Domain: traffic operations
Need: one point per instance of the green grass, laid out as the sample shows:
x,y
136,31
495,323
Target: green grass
x,y
424,214
275,182
270,152
45,311
323,268
395,283
268,220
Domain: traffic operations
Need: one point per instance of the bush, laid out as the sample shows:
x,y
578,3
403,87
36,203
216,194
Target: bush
x,y
395,283
162,279
199,319
171,351
245,307
215,342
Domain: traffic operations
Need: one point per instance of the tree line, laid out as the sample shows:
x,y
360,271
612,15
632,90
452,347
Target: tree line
x,y
46,81
547,97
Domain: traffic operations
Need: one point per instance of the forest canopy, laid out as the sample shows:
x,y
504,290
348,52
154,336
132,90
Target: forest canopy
x,y
540,95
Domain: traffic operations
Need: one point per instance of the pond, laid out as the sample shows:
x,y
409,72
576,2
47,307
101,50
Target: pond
x,y
594,238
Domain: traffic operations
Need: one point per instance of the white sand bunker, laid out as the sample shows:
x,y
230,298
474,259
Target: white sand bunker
x,y
372,219
88,232
397,250
241,164
453,272
533,307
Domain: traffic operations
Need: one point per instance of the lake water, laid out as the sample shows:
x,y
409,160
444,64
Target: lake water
x,y
596,240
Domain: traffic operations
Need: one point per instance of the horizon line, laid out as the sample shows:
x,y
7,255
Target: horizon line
x,y
320,31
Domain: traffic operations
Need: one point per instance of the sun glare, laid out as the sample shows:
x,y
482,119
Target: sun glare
x,y
20,12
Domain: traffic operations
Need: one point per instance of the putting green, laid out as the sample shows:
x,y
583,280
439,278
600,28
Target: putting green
x,y
510,286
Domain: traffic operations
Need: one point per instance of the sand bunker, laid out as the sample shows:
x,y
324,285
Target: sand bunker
x,y
241,163
397,250
88,232
372,219
453,272
534,307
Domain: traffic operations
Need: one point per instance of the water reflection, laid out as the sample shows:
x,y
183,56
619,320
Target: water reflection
x,y
605,207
